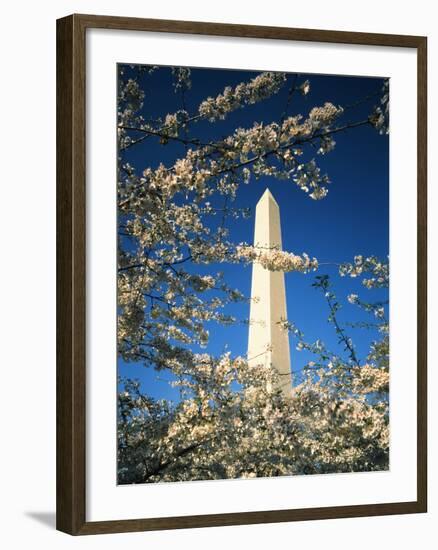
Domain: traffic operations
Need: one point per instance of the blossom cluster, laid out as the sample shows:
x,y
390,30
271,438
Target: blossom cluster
x,y
219,432
309,179
367,265
277,260
182,78
130,101
261,87
369,379
246,151
323,116
379,118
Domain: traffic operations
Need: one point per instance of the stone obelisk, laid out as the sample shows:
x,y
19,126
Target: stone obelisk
x,y
268,343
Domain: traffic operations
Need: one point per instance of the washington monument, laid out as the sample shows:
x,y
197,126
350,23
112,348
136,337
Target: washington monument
x,y
268,343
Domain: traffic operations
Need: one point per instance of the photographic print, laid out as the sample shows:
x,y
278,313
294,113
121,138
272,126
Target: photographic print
x,y
253,274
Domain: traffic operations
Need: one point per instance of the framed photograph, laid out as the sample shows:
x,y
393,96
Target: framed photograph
x,y
241,274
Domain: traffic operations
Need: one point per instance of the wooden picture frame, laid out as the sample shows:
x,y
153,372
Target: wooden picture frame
x,y
71,273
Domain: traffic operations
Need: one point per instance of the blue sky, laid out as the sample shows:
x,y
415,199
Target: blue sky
x,y
352,219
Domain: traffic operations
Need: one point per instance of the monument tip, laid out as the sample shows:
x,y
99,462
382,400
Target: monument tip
x,y
266,196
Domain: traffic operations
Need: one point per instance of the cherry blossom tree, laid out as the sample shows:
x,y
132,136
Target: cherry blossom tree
x,y
231,419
